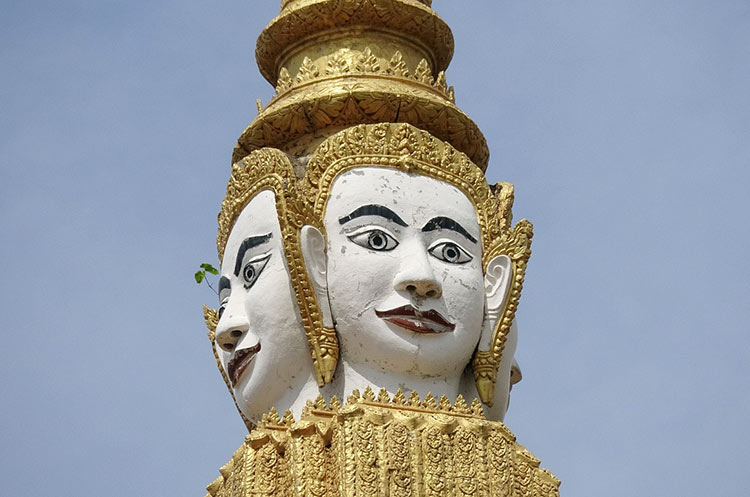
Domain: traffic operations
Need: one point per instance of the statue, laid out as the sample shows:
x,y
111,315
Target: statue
x,y
370,275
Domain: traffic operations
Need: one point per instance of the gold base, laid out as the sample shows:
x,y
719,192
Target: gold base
x,y
381,446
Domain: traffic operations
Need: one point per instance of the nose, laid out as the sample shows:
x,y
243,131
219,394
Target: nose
x,y
233,325
416,276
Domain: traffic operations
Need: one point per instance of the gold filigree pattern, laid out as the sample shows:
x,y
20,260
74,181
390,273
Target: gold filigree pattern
x,y
310,106
374,448
364,65
516,244
270,169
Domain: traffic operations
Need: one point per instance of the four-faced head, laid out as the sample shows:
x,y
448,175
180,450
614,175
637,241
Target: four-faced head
x,y
408,263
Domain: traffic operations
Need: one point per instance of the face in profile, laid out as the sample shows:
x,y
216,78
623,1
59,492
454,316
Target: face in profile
x,y
404,272
259,338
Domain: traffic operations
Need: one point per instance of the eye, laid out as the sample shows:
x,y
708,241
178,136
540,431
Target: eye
x,y
450,253
377,240
252,270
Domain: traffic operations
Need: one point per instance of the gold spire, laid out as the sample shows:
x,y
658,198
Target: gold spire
x,y
338,63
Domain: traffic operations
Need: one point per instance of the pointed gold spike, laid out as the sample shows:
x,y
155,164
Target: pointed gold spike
x,y
476,408
399,399
397,66
383,396
354,397
214,487
273,417
320,403
335,404
284,81
414,399
429,401
423,73
369,395
226,470
288,418
444,404
441,83
367,62
307,71
460,405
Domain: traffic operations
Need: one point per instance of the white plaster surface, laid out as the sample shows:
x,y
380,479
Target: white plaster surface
x,y
407,267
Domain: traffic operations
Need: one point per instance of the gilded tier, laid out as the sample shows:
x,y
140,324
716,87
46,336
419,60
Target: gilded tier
x,y
376,446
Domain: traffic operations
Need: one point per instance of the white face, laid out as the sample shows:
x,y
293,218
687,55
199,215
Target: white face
x,y
404,272
259,338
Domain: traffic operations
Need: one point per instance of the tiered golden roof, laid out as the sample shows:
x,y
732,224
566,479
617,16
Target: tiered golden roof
x,y
337,63
376,446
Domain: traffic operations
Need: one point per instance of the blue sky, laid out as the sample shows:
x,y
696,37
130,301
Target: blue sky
x,y
623,124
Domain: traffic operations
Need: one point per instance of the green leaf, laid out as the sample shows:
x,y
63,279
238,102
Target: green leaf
x,y
209,268
199,275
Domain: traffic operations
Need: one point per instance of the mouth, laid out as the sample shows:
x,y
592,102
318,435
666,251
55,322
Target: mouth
x,y
239,363
424,322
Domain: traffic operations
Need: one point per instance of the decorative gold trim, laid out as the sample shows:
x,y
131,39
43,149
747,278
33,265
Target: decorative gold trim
x,y
363,65
319,105
270,169
516,244
382,446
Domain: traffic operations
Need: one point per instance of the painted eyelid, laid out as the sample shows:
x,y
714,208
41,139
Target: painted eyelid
x,y
443,241
258,258
461,250
261,260
366,229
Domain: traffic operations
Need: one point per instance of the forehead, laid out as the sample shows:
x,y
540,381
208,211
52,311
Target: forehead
x,y
418,197
259,217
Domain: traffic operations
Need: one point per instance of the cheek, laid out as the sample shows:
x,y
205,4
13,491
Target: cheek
x,y
271,302
353,271
463,291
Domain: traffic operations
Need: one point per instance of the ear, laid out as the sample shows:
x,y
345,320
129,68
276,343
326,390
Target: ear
x,y
497,280
314,252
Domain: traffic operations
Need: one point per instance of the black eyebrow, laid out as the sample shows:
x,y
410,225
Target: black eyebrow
x,y
373,210
446,223
246,245
224,284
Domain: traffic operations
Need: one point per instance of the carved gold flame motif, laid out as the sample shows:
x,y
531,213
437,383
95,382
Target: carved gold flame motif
x,y
362,83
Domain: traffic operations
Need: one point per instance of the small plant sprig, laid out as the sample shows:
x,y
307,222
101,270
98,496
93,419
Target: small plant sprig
x,y
200,275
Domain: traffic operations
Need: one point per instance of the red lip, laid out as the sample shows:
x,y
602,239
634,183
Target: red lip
x,y
426,322
241,360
